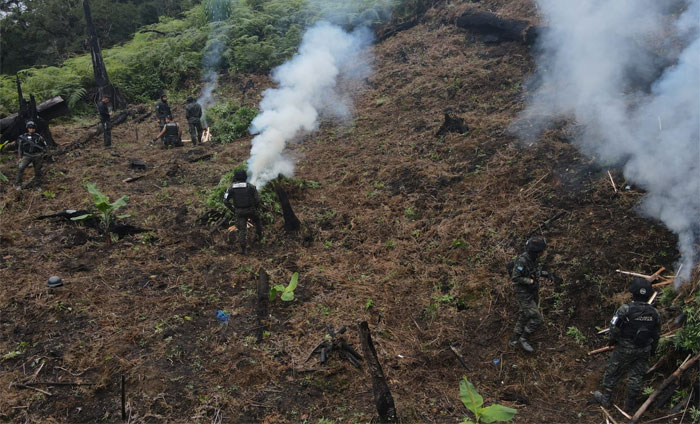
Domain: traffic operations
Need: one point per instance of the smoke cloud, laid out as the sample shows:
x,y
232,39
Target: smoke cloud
x,y
307,89
628,72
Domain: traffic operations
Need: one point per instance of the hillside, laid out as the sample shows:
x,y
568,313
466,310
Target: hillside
x,y
402,228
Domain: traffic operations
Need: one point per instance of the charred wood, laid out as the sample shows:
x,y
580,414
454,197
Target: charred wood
x,y
262,303
291,222
382,396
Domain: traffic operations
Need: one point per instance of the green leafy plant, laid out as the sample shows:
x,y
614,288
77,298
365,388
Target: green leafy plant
x,y
473,401
576,334
105,208
287,293
3,178
688,337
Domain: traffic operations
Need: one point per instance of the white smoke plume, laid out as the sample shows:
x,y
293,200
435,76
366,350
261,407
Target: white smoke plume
x,y
211,62
307,89
628,72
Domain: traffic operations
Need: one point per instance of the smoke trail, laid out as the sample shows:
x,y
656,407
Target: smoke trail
x,y
307,89
217,11
598,64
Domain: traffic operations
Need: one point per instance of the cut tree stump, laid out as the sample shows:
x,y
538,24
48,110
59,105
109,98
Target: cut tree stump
x,y
263,300
291,222
382,396
452,124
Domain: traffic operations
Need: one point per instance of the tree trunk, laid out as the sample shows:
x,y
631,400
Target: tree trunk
x,y
382,396
263,299
291,222
104,88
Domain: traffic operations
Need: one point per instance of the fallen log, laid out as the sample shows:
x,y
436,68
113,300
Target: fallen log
x,y
494,28
382,396
48,109
671,379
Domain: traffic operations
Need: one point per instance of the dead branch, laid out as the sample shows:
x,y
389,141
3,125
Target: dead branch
x,y
625,414
382,396
607,414
57,383
671,379
24,386
461,359
612,181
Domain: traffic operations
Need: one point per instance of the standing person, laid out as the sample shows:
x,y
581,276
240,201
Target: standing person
x,y
162,110
634,331
245,205
525,277
193,114
31,148
105,120
171,133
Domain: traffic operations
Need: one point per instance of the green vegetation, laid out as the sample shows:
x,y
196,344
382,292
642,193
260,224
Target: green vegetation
x,y
473,401
104,207
575,334
286,293
229,121
688,337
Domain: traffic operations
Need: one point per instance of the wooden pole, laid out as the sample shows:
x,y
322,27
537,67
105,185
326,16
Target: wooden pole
x,y
263,300
601,350
382,396
671,379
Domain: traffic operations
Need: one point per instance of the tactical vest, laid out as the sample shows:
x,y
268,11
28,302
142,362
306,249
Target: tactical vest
x,y
640,325
171,131
242,198
31,144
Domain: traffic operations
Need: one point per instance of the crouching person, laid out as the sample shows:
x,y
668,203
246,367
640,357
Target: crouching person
x,y
171,134
243,200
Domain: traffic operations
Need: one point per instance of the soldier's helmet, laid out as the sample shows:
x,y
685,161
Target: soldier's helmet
x,y
641,288
240,175
190,99
30,124
163,96
536,244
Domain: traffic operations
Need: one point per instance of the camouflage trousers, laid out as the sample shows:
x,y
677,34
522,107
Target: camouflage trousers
x,y
529,316
107,132
242,223
36,161
623,360
196,132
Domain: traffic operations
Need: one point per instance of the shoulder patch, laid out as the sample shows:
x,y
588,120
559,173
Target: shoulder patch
x,y
519,268
239,185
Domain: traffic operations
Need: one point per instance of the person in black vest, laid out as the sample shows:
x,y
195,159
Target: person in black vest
x,y
171,133
243,200
31,148
105,120
634,331
163,110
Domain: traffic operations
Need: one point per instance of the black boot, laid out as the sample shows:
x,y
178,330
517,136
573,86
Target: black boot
x,y
514,340
603,398
630,404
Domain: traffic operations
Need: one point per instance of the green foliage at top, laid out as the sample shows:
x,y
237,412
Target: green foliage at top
x,y
228,121
215,198
227,36
286,293
473,401
105,208
688,337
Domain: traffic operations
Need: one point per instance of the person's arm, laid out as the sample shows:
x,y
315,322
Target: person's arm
x,y
179,131
520,273
256,197
227,200
617,322
160,134
19,147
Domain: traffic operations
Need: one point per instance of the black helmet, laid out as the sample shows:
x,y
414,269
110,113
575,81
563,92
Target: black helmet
x,y
190,99
240,175
55,281
163,96
641,288
30,124
536,244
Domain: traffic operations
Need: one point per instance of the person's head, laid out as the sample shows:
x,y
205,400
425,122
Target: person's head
x,y
105,99
641,289
535,245
164,97
190,99
169,118
31,127
240,176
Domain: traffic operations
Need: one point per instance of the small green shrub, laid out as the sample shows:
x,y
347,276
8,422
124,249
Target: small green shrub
x,y
473,401
105,209
688,337
575,334
286,293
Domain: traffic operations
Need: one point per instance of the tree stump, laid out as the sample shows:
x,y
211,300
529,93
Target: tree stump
x,y
382,396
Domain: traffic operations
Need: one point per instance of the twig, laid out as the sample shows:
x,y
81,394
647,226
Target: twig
x,y
461,359
24,386
123,398
57,383
690,397
612,181
607,414
661,418
625,414
601,350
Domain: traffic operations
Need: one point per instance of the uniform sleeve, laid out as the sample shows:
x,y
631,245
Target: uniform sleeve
x,y
520,274
188,112
43,142
617,321
19,146
227,199
256,197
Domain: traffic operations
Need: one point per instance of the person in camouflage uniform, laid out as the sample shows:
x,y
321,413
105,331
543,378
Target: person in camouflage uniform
x,y
162,110
105,120
243,200
171,133
193,114
31,148
634,331
525,277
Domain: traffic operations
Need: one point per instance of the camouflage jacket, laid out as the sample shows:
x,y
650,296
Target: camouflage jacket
x,y
162,109
635,325
31,145
524,276
193,113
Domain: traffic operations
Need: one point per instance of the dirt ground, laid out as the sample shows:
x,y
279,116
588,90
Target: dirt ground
x,y
401,228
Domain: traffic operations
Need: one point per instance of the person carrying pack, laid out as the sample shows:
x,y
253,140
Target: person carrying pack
x,y
31,148
171,133
243,200
634,331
